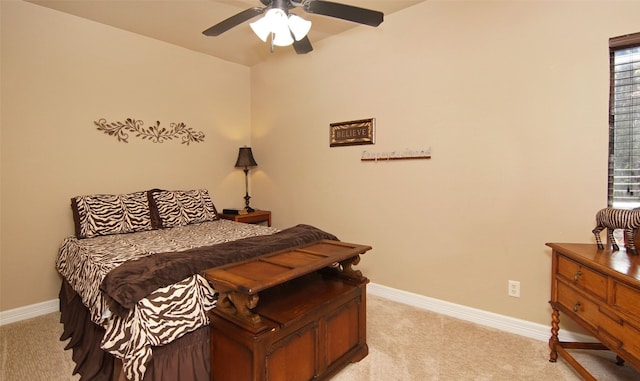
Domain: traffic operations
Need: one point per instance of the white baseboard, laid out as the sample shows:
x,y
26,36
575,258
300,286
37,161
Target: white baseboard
x,y
504,323
28,312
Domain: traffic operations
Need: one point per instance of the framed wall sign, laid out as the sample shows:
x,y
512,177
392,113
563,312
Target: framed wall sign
x,y
352,133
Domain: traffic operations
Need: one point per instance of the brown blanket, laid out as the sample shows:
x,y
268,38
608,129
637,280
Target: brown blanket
x,y
133,280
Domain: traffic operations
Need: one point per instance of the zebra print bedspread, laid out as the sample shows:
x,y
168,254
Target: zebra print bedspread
x,y
162,316
128,283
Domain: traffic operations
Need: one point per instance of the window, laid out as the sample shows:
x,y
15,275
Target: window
x,y
624,122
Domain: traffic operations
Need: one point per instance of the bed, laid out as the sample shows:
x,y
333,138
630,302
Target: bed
x,y
133,302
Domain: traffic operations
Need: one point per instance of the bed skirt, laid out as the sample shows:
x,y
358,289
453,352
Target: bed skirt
x,y
186,359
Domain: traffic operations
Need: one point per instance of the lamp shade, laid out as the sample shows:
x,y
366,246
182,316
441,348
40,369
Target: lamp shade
x,y
299,26
262,28
245,158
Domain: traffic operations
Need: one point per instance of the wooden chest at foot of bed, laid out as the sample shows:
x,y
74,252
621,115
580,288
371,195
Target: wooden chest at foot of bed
x,y
311,328
306,328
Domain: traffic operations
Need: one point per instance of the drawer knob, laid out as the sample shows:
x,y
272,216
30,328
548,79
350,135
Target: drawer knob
x,y
576,306
576,277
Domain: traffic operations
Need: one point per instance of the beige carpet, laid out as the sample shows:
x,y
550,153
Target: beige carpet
x,y
405,344
32,350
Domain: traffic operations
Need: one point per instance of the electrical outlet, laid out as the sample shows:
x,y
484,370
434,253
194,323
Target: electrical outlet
x,y
514,288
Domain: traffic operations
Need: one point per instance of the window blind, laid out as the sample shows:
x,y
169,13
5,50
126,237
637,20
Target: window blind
x,y
624,122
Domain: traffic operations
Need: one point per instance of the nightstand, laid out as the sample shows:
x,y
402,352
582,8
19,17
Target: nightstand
x,y
254,217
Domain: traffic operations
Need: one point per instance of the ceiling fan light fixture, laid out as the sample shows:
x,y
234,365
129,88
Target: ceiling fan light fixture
x,y
299,26
276,22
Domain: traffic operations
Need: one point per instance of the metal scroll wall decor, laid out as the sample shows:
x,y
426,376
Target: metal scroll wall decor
x,y
397,155
155,133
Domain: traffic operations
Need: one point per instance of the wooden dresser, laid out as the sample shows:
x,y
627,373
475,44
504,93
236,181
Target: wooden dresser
x,y
599,290
294,315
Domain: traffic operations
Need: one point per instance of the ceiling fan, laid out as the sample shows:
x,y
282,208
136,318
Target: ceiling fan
x,y
289,29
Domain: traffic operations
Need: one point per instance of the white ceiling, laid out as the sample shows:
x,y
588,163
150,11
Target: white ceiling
x,y
181,22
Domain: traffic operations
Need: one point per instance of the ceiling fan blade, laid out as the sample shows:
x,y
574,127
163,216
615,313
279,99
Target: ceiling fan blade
x,y
345,12
303,46
232,21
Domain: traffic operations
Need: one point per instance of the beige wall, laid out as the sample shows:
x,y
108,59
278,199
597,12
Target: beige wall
x,y
59,74
512,98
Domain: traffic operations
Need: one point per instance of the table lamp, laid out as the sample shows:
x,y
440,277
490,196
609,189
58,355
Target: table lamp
x,y
246,160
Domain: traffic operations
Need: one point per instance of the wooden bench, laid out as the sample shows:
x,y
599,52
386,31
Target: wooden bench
x,y
291,315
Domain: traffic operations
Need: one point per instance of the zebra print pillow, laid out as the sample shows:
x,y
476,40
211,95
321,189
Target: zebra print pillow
x,y
179,208
104,214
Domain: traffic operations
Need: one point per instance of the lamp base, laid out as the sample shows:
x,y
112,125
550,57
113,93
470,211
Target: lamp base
x,y
246,203
246,191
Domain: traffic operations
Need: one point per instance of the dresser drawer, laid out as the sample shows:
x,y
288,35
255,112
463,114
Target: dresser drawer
x,y
583,277
625,298
631,340
610,327
619,334
581,306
